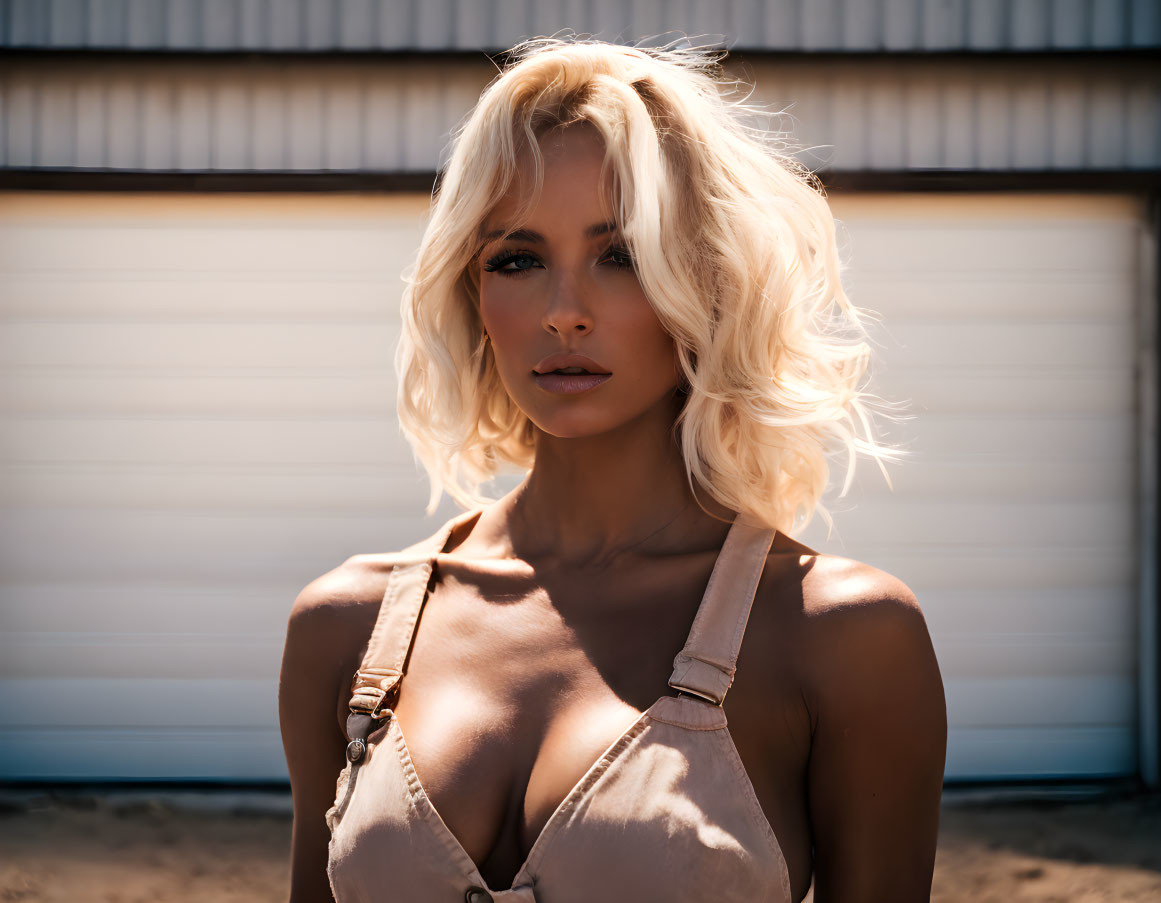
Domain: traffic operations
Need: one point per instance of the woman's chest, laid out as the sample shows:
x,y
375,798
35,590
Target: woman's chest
x,y
512,693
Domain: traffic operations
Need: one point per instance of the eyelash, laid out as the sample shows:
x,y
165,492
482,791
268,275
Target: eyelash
x,y
502,259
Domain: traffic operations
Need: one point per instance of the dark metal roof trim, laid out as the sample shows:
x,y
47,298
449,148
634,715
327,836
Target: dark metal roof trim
x,y
40,179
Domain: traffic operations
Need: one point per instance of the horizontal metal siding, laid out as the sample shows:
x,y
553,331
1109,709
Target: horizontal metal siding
x,y
783,25
241,346
1015,116
394,116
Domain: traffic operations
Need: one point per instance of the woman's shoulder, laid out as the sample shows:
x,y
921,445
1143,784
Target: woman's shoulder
x,y
342,594
338,609
328,630
844,619
832,589
863,665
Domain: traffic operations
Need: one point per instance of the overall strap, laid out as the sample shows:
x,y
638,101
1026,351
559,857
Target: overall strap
x,y
705,666
382,667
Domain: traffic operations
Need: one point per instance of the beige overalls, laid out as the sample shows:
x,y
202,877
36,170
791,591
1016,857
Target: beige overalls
x,y
667,813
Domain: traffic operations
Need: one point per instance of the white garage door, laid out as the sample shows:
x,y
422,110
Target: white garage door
x,y
198,418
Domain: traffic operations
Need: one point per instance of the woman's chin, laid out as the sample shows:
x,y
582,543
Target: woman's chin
x,y
572,427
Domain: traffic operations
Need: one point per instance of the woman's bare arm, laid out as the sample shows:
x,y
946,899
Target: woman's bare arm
x,y
879,739
314,668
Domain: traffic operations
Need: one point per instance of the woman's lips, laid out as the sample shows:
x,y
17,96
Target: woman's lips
x,y
569,383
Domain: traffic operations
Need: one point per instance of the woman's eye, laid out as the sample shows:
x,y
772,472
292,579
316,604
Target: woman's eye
x,y
620,257
514,263
499,263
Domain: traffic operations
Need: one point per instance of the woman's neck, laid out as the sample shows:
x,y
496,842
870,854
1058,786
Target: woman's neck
x,y
588,501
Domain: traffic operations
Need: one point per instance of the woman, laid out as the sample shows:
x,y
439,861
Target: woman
x,y
627,292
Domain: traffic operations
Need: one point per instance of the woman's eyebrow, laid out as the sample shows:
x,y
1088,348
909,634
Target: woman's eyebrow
x,y
600,229
535,237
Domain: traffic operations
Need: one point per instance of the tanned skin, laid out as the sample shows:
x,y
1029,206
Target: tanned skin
x,y
555,616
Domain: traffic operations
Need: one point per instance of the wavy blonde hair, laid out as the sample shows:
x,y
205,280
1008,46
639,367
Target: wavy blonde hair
x,y
734,246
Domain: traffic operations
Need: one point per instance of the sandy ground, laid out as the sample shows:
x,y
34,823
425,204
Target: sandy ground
x,y
133,847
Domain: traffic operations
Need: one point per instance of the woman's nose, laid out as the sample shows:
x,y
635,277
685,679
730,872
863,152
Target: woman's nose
x,y
567,312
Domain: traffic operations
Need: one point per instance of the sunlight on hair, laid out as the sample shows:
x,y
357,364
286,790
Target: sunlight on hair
x,y
735,248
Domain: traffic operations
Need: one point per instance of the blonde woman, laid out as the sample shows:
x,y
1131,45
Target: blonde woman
x,y
635,297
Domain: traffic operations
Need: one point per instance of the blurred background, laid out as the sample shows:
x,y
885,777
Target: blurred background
x,y
205,209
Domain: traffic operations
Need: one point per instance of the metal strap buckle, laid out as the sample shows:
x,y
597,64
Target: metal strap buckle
x,y
372,689
695,693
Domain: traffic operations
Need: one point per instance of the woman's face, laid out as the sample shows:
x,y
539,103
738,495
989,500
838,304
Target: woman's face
x,y
564,284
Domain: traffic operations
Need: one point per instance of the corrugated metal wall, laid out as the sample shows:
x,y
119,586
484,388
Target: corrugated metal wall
x,y
394,115
776,25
